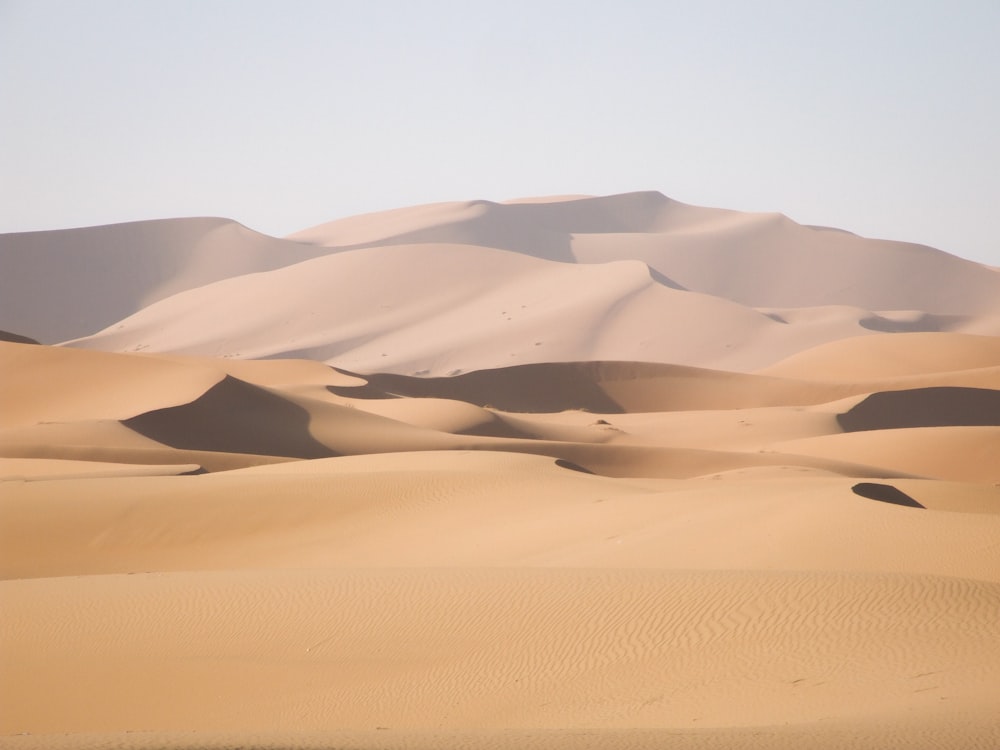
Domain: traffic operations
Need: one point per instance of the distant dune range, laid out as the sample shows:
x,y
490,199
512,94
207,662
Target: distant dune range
x,y
555,473
468,286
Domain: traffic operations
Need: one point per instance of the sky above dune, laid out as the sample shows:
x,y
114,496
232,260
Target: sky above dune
x,y
876,117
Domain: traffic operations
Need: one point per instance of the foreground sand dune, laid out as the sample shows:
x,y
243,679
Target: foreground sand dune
x,y
496,509
712,501
500,648
478,589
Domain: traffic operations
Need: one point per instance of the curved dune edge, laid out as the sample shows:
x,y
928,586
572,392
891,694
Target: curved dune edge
x,y
602,387
952,453
36,469
924,407
179,410
16,338
473,509
890,356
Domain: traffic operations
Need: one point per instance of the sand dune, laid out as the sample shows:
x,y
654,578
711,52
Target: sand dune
x,y
476,508
958,453
605,387
556,473
44,384
902,355
85,279
361,292
447,649
220,418
924,407
769,260
35,469
16,338
430,314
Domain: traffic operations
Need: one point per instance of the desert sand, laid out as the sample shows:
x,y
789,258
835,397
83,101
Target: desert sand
x,y
554,473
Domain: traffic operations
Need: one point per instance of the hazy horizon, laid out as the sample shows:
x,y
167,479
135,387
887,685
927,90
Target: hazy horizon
x,y
877,120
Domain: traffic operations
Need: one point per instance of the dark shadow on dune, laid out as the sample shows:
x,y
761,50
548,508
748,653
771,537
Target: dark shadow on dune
x,y
544,387
925,322
16,338
562,463
820,228
234,417
364,391
661,278
885,493
497,428
924,407
604,387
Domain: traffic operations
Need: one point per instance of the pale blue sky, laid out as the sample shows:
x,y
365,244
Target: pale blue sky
x,y
879,117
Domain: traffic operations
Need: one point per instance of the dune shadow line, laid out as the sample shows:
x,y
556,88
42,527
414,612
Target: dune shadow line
x,y
885,493
540,387
234,417
940,406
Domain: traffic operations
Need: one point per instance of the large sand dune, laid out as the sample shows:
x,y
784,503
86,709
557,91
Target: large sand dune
x,y
754,259
82,280
584,473
456,287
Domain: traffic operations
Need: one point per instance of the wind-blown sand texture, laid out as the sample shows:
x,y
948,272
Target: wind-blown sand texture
x,y
557,473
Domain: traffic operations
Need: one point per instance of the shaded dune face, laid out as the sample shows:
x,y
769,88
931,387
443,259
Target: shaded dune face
x,y
233,417
924,407
885,493
607,472
16,338
542,387
601,387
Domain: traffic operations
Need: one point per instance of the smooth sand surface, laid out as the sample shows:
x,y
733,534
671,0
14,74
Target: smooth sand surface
x,y
576,549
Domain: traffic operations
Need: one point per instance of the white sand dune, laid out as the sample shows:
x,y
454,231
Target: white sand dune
x,y
556,473
760,260
419,289
66,283
442,309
